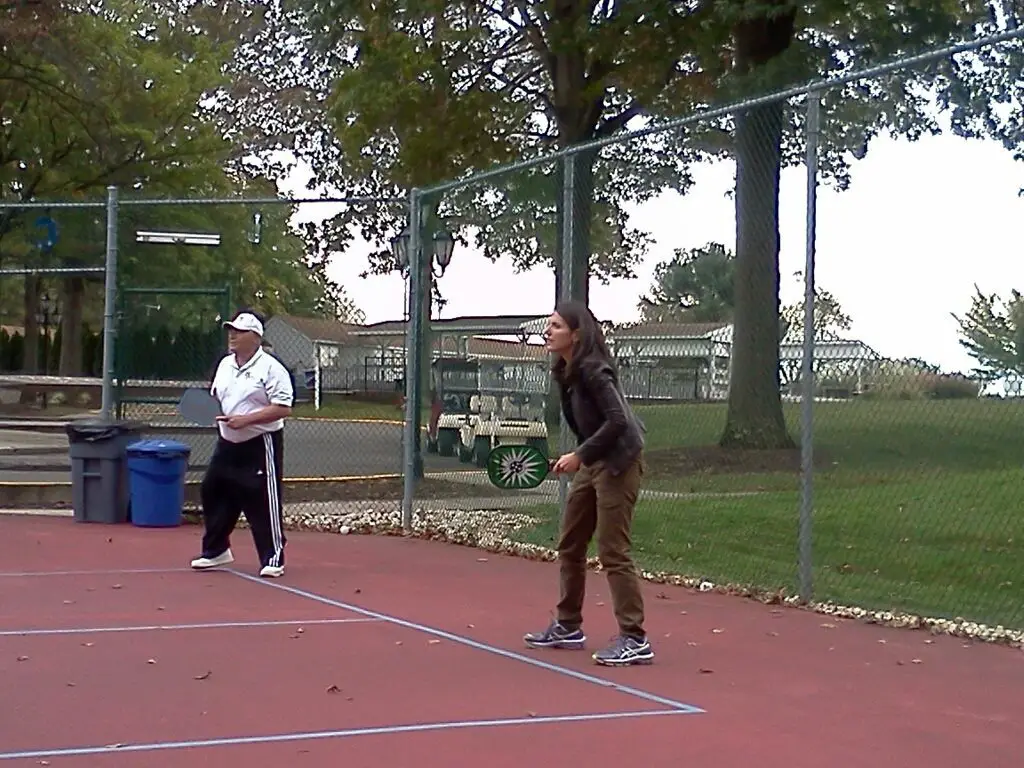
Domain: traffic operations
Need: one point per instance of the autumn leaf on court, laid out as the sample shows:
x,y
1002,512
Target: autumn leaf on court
x,y
333,689
705,671
203,676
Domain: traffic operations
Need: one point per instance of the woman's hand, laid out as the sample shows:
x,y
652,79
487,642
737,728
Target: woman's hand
x,y
567,463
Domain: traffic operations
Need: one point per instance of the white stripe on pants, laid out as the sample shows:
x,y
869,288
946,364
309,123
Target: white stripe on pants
x,y
273,501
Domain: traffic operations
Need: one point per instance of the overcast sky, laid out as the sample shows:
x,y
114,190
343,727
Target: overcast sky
x,y
901,250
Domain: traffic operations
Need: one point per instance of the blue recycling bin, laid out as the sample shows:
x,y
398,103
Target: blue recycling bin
x,y
156,482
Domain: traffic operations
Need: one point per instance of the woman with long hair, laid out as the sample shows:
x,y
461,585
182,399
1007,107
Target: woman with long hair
x,y
607,465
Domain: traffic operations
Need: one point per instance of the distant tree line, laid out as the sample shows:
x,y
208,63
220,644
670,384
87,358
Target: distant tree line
x,y
150,353
14,360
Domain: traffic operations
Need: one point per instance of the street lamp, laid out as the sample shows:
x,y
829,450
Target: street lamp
x,y
443,248
400,248
47,316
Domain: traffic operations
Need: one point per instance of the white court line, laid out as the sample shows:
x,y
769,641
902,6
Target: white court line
x,y
27,574
637,692
340,734
168,627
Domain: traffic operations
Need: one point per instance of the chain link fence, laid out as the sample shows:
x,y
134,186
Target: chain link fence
x,y
182,267
815,429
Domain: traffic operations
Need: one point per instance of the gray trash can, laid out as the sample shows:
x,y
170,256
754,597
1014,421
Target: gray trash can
x,y
99,473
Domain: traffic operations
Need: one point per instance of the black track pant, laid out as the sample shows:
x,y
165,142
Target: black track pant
x,y
245,477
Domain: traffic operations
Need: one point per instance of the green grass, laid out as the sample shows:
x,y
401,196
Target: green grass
x,y
856,443
917,504
937,546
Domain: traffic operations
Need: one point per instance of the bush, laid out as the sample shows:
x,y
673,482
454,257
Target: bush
x,y
921,386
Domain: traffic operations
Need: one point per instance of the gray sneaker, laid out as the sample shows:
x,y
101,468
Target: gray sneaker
x,y
626,650
556,636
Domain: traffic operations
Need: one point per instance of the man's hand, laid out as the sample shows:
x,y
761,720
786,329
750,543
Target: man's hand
x,y
568,463
235,422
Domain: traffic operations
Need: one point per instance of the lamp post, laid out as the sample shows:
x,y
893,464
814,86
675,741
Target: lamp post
x,y
442,245
48,316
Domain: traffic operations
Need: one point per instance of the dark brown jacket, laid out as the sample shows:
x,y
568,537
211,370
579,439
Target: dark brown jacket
x,y
596,410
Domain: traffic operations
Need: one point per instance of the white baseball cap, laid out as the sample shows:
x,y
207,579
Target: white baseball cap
x,y
246,322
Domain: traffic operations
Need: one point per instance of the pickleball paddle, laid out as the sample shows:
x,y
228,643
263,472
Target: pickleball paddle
x,y
199,406
517,466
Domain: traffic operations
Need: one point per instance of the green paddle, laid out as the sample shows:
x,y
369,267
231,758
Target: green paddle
x,y
517,466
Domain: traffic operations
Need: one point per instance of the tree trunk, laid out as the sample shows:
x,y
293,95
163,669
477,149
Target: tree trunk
x,y
72,301
30,305
582,214
755,418
30,360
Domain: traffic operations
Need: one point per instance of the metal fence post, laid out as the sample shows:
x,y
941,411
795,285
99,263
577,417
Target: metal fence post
x,y
109,307
318,383
807,359
413,343
568,241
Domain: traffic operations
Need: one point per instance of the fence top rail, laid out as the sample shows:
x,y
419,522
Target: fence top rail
x,y
262,200
27,205
822,84
16,205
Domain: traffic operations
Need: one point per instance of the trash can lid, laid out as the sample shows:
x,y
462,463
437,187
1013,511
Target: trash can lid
x,y
97,429
164,448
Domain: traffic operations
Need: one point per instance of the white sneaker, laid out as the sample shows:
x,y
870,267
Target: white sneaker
x,y
225,558
272,571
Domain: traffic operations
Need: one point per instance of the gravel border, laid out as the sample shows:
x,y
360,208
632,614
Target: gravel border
x,y
493,531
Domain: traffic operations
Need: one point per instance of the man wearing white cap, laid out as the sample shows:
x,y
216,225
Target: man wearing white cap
x,y
245,473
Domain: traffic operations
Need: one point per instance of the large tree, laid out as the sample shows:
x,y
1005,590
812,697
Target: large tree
x,y
104,94
992,332
431,89
764,45
125,93
695,286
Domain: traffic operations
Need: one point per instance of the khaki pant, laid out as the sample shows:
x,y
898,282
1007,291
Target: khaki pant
x,y
602,502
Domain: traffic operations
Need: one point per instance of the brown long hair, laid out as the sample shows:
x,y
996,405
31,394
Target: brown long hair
x,y
590,341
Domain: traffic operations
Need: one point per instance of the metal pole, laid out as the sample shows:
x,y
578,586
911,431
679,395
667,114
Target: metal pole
x,y
317,376
109,307
413,344
807,360
568,240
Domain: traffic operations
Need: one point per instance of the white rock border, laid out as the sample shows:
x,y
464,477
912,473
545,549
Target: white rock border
x,y
491,531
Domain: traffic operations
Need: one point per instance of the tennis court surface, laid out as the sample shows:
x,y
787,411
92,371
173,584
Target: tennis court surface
x,y
383,651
